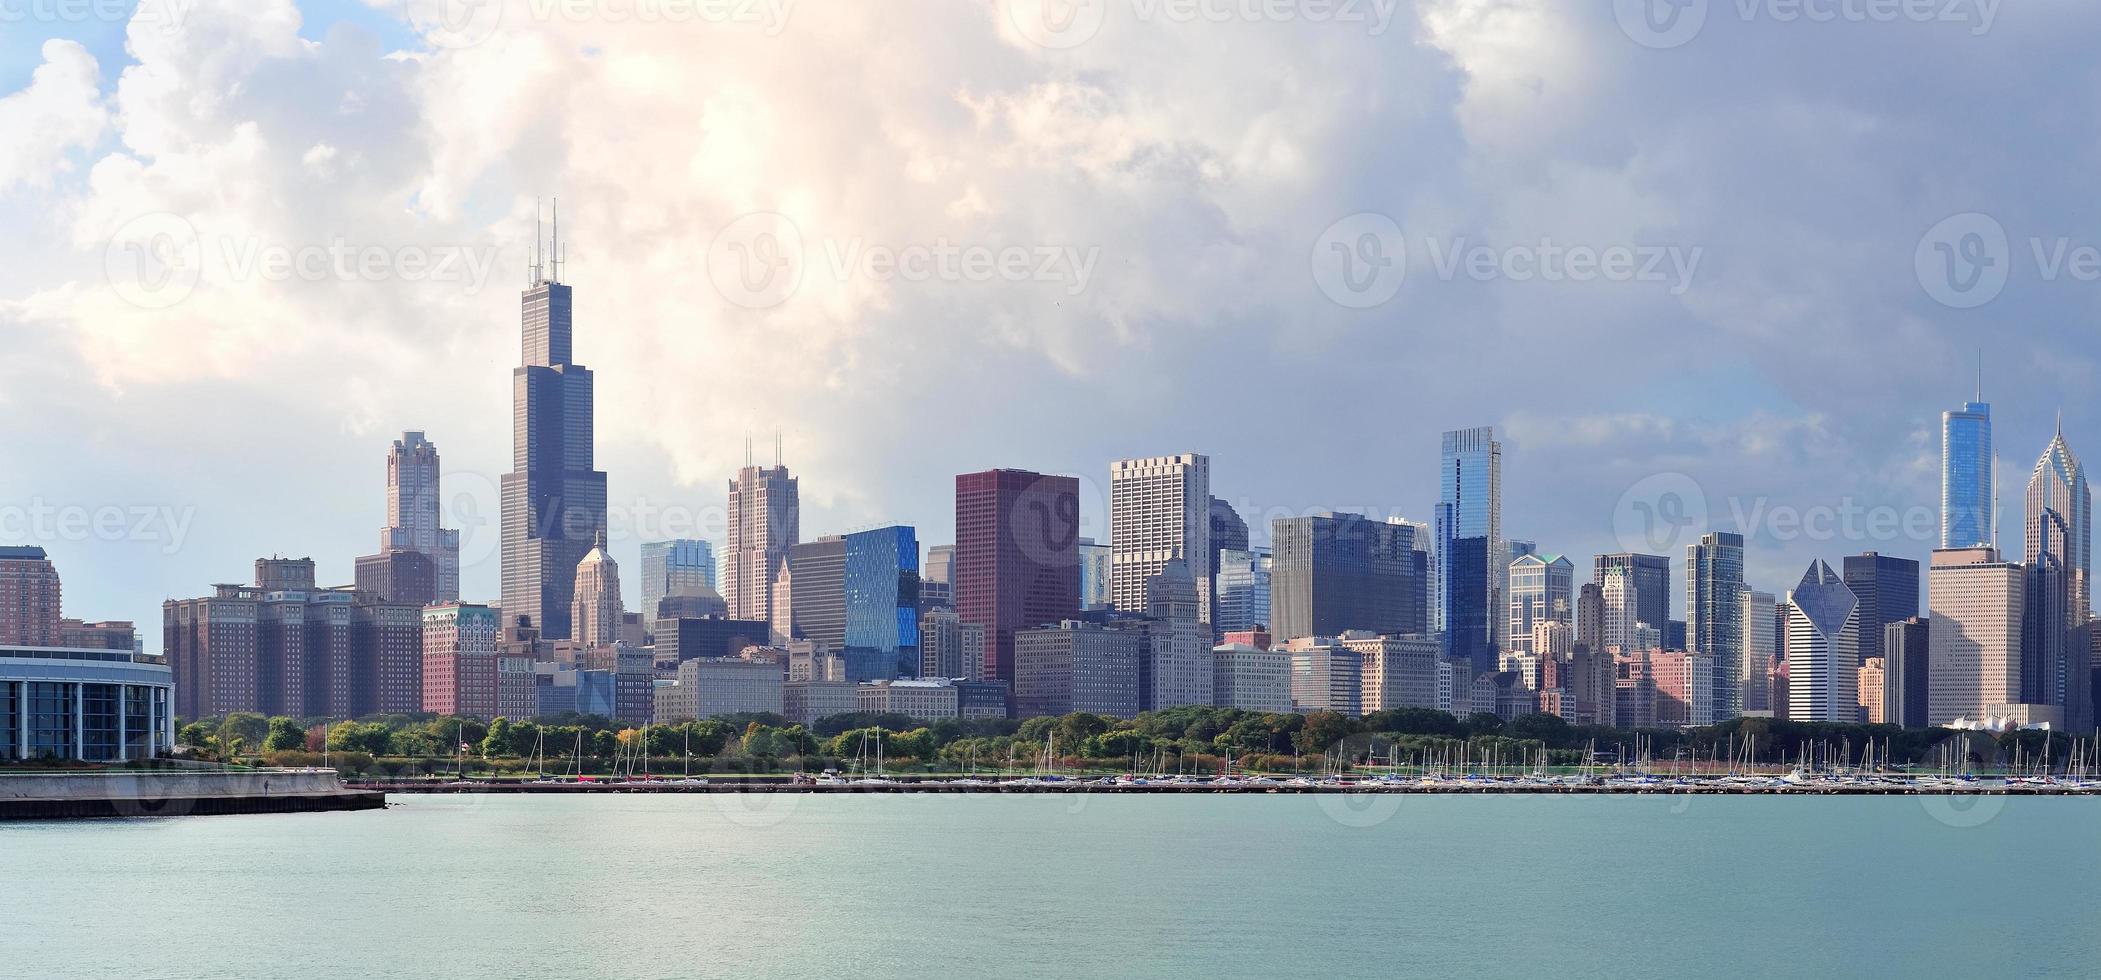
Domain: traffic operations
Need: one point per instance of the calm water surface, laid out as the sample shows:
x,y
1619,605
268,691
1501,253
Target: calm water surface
x,y
481,888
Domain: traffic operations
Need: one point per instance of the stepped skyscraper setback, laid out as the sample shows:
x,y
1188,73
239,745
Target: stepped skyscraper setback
x,y
554,499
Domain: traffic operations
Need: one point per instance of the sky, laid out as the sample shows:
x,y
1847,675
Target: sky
x,y
1703,265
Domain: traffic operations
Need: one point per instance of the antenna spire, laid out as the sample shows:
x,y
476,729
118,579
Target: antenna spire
x,y
1980,374
538,211
554,245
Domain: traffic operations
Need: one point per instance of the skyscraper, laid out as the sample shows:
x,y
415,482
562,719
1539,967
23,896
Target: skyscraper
x,y
1760,645
765,520
1017,562
2056,662
1823,648
1590,617
881,585
1179,651
594,616
554,498
1470,508
1969,495
414,510
29,598
677,567
1228,533
284,647
809,597
1906,672
1714,625
1620,603
1337,572
1241,600
1542,590
1159,511
1973,637
1888,588
937,577
460,659
1097,570
1650,577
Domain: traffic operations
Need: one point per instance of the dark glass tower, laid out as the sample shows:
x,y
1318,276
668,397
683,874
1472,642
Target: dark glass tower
x,y
554,501
1651,576
1888,588
1336,572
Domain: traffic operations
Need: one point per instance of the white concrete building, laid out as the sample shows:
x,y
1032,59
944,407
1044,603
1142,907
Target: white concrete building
x,y
1159,511
929,699
1823,648
1251,679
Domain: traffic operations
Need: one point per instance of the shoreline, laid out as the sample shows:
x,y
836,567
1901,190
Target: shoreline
x,y
1481,787
84,795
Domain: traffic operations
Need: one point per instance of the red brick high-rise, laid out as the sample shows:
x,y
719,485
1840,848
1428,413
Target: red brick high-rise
x,y
29,598
1017,562
284,647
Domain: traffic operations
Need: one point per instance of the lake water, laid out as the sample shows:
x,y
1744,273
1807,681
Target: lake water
x,y
780,886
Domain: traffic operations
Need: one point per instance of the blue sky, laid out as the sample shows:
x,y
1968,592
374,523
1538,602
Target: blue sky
x,y
1198,211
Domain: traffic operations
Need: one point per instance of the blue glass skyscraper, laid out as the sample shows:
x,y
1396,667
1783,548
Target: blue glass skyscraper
x,y
1470,587
1969,515
882,603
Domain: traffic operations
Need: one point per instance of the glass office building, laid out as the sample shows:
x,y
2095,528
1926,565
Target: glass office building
x,y
1470,506
1243,592
87,705
882,604
1969,518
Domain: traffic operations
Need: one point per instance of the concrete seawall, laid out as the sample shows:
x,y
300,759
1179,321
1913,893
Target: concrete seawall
x,y
172,793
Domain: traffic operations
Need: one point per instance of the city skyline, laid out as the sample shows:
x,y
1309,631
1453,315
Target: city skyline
x,y
1779,432
1260,533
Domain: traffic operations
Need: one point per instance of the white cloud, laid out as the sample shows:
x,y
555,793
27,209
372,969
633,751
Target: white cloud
x,y
1197,163
61,111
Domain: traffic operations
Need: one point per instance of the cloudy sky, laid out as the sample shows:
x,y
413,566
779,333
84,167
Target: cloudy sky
x,y
1702,264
